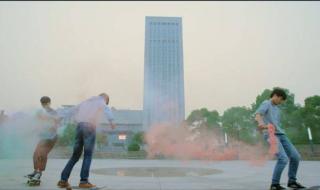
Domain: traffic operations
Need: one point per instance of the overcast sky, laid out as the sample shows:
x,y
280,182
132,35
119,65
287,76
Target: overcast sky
x,y
232,51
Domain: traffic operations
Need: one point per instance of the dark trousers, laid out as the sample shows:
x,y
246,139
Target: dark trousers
x,y
85,140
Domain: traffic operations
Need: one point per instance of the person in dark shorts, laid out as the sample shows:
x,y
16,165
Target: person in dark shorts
x,y
48,121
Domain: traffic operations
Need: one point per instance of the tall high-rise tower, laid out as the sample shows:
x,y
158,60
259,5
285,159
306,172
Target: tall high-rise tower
x,y
163,72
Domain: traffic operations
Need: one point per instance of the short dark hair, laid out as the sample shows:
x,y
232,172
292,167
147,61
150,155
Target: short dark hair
x,y
279,92
45,100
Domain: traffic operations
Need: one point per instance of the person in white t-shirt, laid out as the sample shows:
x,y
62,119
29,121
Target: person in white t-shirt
x,y
48,121
87,115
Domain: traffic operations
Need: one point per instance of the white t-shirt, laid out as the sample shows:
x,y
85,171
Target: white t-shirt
x,y
92,110
48,122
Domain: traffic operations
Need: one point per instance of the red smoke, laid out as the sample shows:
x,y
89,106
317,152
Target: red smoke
x,y
272,140
184,144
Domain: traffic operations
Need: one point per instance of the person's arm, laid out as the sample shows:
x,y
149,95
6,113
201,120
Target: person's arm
x,y
110,117
259,114
261,124
69,113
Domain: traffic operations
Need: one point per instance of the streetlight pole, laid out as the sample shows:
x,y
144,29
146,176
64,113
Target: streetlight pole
x,y
238,127
310,140
225,139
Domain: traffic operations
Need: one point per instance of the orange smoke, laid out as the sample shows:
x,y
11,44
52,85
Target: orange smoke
x,y
183,144
272,140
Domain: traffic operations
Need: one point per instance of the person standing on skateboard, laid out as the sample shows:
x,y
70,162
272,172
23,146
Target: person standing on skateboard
x,y
48,124
269,113
87,116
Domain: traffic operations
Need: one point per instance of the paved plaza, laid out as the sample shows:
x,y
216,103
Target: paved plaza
x,y
157,174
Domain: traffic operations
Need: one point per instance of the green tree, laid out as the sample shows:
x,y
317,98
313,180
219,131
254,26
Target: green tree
x,y
238,122
292,121
138,138
311,116
265,95
102,139
133,146
136,142
212,118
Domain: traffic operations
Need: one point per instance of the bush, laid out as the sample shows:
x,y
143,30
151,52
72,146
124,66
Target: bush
x,y
101,139
138,138
134,147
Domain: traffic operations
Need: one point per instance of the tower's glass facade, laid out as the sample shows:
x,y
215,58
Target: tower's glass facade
x,y
163,72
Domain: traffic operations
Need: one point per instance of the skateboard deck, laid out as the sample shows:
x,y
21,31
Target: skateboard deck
x,y
92,188
308,188
33,182
314,188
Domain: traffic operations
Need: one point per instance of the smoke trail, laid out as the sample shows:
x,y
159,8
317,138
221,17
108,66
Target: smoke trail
x,y
272,140
183,144
18,136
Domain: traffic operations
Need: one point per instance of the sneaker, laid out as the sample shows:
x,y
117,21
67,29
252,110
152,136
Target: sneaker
x,y
276,187
86,185
37,176
31,175
295,185
63,184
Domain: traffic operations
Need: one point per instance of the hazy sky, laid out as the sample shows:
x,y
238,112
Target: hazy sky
x,y
232,51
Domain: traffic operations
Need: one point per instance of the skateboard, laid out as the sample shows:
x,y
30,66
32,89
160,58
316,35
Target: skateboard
x,y
308,188
32,182
92,188
313,188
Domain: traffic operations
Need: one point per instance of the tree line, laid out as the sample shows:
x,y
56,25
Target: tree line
x,y
239,123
